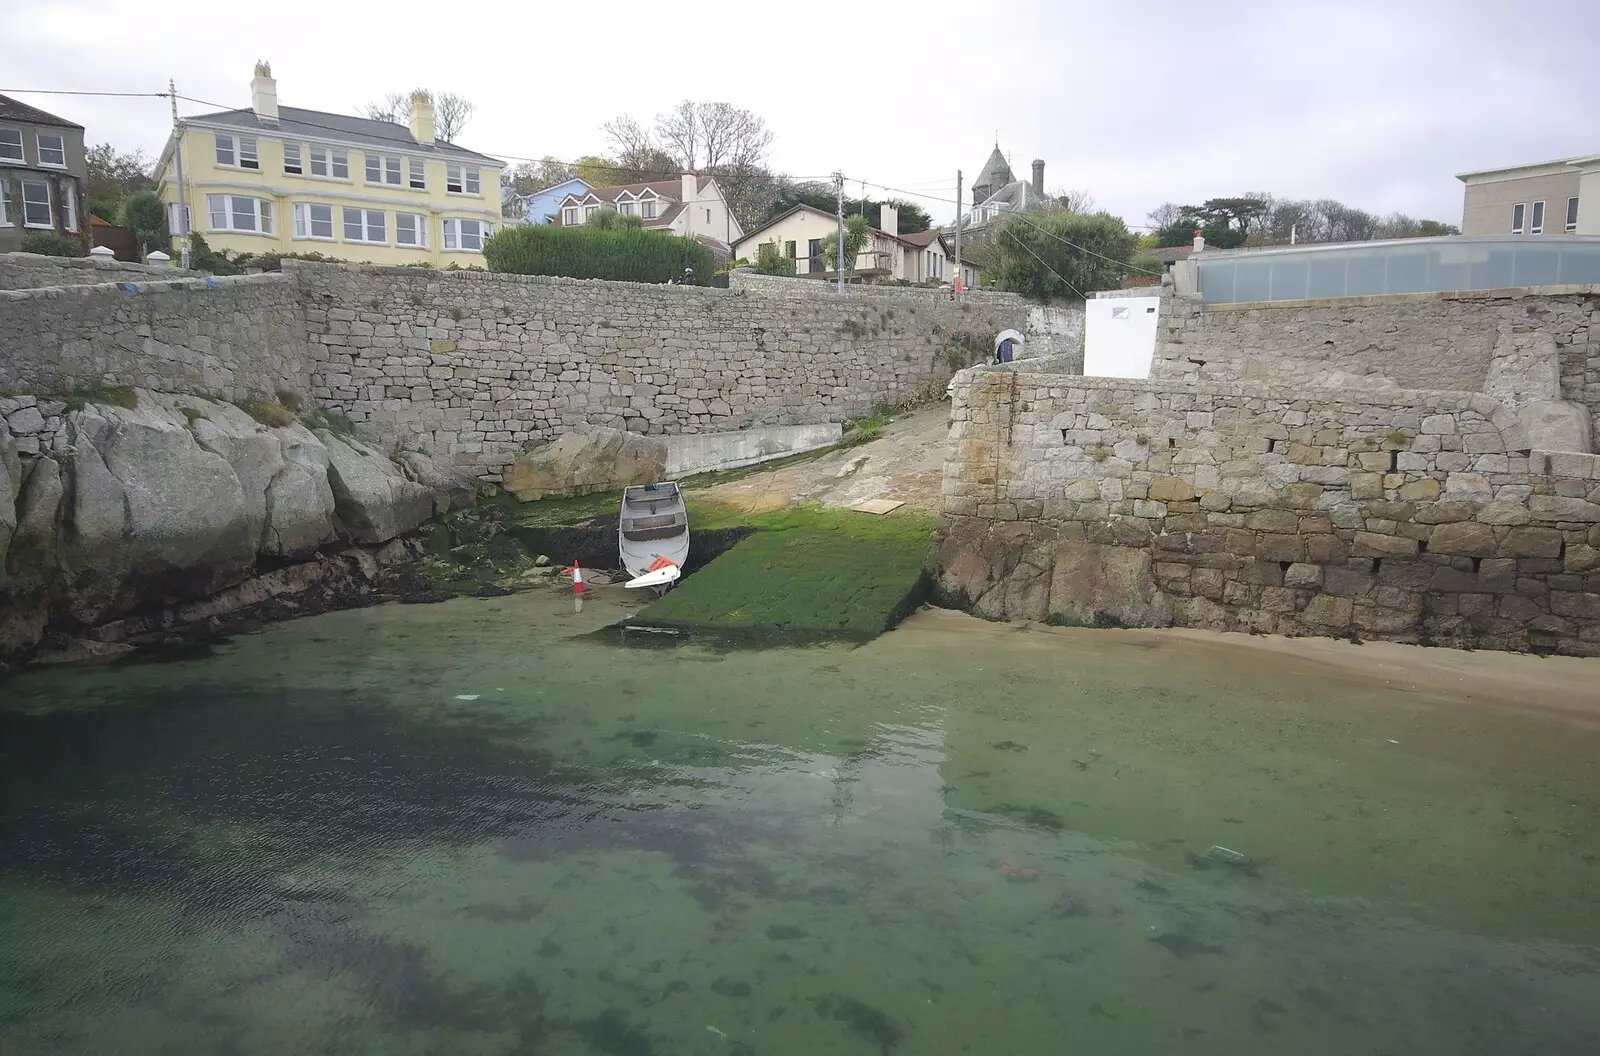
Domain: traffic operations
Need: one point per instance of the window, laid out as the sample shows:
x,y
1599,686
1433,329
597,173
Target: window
x,y
648,209
237,212
589,211
1572,214
247,153
708,216
176,218
1517,213
625,208
36,204
10,144
788,249
5,203
1537,226
291,158
334,163
313,221
364,225
52,151
69,210
462,179
225,154
382,169
419,174
411,229
466,234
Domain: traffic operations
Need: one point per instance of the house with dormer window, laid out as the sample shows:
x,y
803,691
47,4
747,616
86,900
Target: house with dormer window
x,y
692,206
287,180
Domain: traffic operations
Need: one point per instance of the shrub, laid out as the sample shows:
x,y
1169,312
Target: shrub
x,y
51,245
626,255
203,258
273,260
273,415
335,422
144,214
606,218
770,262
113,395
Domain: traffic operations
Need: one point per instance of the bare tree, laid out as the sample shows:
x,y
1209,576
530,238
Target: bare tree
x,y
1164,215
451,112
710,138
1073,199
394,107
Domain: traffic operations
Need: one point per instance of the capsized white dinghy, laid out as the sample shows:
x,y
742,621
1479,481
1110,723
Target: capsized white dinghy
x,y
653,534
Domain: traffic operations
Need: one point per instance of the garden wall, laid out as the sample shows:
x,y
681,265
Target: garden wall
x,y
1406,515
473,365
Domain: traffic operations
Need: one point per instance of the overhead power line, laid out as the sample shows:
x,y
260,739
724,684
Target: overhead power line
x,y
63,91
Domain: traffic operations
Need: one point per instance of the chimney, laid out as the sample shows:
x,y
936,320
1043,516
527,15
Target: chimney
x,y
688,194
889,219
1199,240
1038,177
264,94
422,117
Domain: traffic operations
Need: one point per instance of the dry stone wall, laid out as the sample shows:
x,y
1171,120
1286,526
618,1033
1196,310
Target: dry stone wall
x,y
1416,341
1407,515
238,338
28,271
475,366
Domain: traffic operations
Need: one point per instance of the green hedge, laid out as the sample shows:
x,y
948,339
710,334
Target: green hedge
x,y
626,255
51,245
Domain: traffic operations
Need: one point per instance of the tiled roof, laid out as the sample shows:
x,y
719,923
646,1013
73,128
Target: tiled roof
x,y
15,110
361,131
921,239
668,189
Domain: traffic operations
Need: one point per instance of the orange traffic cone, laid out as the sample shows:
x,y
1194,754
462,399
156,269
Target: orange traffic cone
x,y
577,578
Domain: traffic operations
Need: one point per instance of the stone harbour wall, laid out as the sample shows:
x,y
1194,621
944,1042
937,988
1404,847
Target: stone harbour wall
x,y
238,338
1405,515
28,271
475,366
1416,341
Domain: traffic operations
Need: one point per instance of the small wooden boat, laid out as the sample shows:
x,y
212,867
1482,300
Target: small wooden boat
x,y
653,534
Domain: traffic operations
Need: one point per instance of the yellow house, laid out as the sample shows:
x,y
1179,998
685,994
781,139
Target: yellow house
x,y
286,180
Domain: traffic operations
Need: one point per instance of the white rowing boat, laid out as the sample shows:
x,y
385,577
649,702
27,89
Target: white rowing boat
x,y
653,535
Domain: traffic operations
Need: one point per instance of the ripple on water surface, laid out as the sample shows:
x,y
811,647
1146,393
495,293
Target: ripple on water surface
x,y
476,828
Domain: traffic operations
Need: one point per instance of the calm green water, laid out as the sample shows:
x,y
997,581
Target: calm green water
x,y
961,838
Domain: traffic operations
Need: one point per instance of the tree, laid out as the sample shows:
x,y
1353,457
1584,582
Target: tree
x,y
1073,200
530,178
1435,228
451,112
788,194
856,233
1164,215
1054,253
112,176
711,138
145,215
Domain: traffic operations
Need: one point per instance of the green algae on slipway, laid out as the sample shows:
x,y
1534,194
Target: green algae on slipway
x,y
804,570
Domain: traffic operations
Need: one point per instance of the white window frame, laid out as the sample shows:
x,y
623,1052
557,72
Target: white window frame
x,y
297,166
416,174
60,149
1536,219
69,211
419,225
249,155
569,216
625,208
305,222
260,215
49,205
20,158
455,237
647,209
232,150
589,211
175,218
5,203
332,159
1519,216
365,225
1572,213
463,179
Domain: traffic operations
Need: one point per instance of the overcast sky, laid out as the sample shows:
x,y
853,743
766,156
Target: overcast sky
x,y
1377,104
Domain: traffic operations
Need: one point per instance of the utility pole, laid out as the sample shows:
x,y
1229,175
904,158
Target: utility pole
x,y
177,162
838,187
956,283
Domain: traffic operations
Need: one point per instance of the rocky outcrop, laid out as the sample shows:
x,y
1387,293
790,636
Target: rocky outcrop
x,y
176,502
581,462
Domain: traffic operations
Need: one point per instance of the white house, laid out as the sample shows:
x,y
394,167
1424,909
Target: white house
x,y
692,206
802,233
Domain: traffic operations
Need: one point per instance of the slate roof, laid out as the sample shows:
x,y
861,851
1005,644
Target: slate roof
x,y
16,110
668,189
996,172
360,131
921,239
